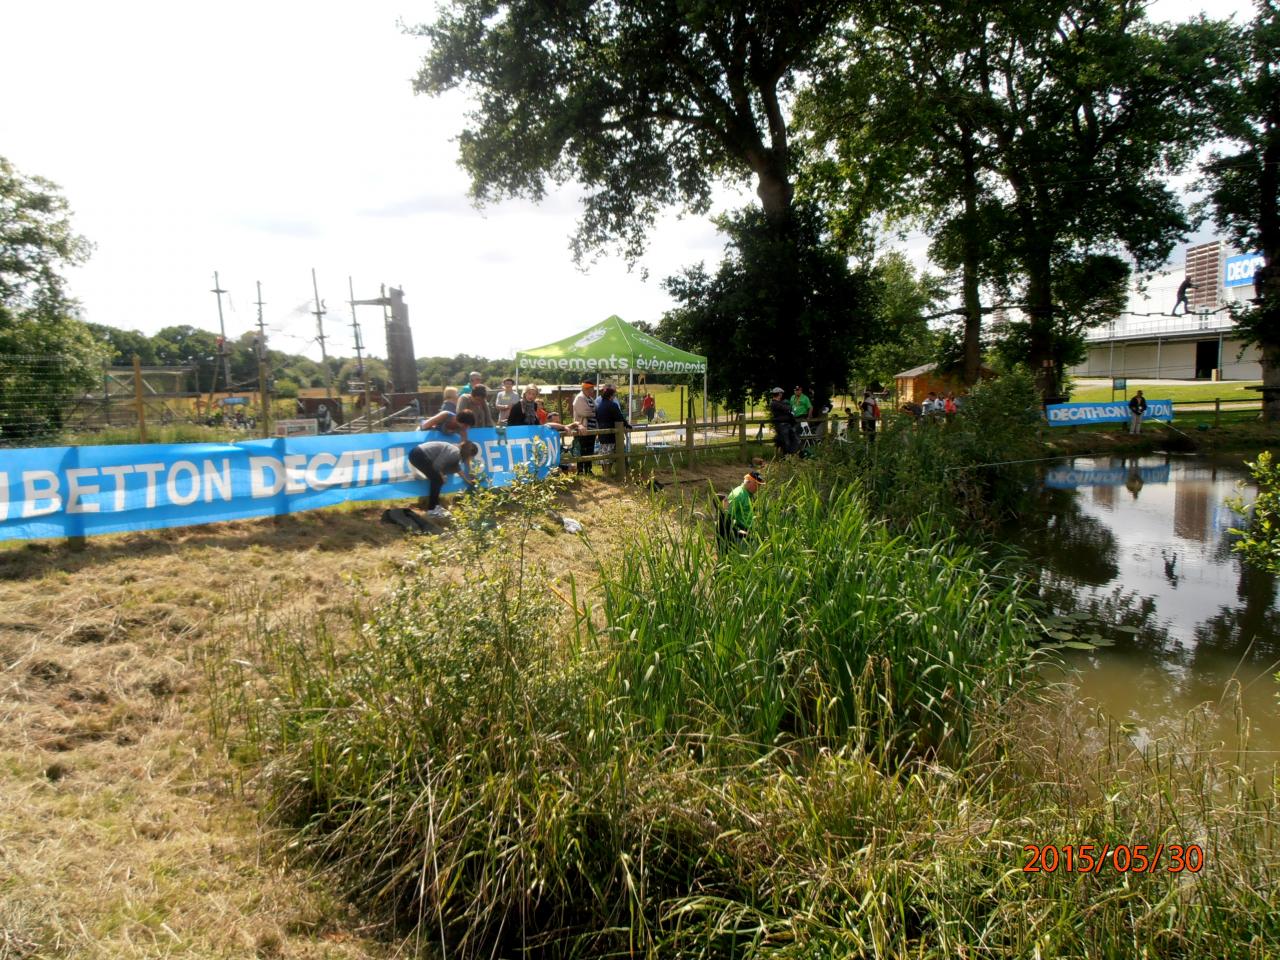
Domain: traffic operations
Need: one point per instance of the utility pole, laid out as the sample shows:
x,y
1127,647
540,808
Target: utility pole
x,y
364,380
222,343
319,313
264,374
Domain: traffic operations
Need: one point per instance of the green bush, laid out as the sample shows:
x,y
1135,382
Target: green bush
x,y
970,469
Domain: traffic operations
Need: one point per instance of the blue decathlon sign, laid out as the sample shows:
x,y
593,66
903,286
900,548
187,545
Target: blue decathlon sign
x,y
1065,478
1073,414
82,491
1239,271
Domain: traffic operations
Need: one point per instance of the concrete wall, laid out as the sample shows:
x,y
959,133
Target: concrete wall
x,y
1172,360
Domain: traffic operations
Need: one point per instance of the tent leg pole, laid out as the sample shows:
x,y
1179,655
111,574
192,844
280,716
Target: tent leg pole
x,y
704,408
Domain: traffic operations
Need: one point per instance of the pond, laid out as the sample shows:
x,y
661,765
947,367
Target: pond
x,y
1135,556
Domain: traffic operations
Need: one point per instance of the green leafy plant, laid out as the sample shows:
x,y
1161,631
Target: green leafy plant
x,y
1259,542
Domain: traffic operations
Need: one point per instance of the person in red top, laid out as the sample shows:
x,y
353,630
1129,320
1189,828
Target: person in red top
x,y
648,406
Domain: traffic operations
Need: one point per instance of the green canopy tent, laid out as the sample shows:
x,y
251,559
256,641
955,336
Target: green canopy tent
x,y
612,346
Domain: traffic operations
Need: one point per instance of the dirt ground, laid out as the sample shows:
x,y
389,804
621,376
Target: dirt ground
x,y
121,831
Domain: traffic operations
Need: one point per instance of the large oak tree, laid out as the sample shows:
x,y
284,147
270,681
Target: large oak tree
x,y
646,103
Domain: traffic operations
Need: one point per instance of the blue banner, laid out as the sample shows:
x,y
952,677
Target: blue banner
x,y
82,491
1064,478
1238,271
1071,414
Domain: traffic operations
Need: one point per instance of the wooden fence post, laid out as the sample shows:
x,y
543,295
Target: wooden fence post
x,y
688,432
620,448
137,399
1217,411
742,434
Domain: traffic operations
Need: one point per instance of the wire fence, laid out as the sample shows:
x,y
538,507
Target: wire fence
x,y
36,395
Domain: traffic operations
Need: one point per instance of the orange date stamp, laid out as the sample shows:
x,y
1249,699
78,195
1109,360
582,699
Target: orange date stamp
x,y
1120,857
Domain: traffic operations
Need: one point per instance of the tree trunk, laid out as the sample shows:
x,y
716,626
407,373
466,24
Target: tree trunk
x,y
971,256
1270,379
1039,310
775,192
1267,280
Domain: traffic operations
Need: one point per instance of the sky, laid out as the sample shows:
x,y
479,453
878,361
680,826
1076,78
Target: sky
x,y
264,139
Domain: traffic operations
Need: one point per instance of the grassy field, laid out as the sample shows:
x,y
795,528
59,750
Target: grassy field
x,y
1188,392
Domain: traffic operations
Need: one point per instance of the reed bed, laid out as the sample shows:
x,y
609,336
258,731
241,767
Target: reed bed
x,y
826,744
824,629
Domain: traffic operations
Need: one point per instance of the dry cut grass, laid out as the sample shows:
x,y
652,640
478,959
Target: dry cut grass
x,y
122,834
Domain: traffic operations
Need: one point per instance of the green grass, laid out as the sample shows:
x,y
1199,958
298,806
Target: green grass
x,y
1179,393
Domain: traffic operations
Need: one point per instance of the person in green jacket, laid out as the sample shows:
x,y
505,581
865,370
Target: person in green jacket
x,y
737,516
801,405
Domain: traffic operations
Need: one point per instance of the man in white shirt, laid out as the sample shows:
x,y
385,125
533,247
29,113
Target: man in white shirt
x,y
584,415
506,399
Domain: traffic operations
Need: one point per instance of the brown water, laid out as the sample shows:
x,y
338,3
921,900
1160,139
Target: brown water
x,y
1136,551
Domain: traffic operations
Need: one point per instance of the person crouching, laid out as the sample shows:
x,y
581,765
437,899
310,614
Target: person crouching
x,y
435,460
738,516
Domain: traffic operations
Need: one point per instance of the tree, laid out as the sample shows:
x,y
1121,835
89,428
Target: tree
x,y
1244,185
123,345
902,301
1032,136
782,309
891,136
1086,105
644,102
38,318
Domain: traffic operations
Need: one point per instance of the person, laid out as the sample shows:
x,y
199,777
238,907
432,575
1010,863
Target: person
x,y
474,379
477,402
448,422
449,406
1183,300
584,415
801,405
324,422
648,406
450,400
949,406
738,516
932,405
525,412
870,412
542,412
608,415
553,421
1137,409
435,460
784,423
506,399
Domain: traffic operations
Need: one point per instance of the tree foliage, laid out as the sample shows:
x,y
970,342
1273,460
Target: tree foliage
x,y
783,308
38,317
1243,182
902,302
646,103
1032,137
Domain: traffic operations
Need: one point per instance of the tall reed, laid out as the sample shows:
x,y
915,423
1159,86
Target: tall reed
x,y
824,628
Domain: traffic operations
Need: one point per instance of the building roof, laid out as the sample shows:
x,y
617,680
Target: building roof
x,y
915,371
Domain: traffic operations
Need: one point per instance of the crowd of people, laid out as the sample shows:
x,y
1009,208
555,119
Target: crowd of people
x,y
594,407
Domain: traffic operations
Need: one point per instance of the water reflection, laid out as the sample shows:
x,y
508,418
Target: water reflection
x,y
1137,551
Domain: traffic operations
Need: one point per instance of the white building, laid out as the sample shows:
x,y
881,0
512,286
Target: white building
x,y
1150,342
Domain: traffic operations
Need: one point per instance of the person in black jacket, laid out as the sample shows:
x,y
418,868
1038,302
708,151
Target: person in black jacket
x,y
1137,409
784,423
524,413
608,415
